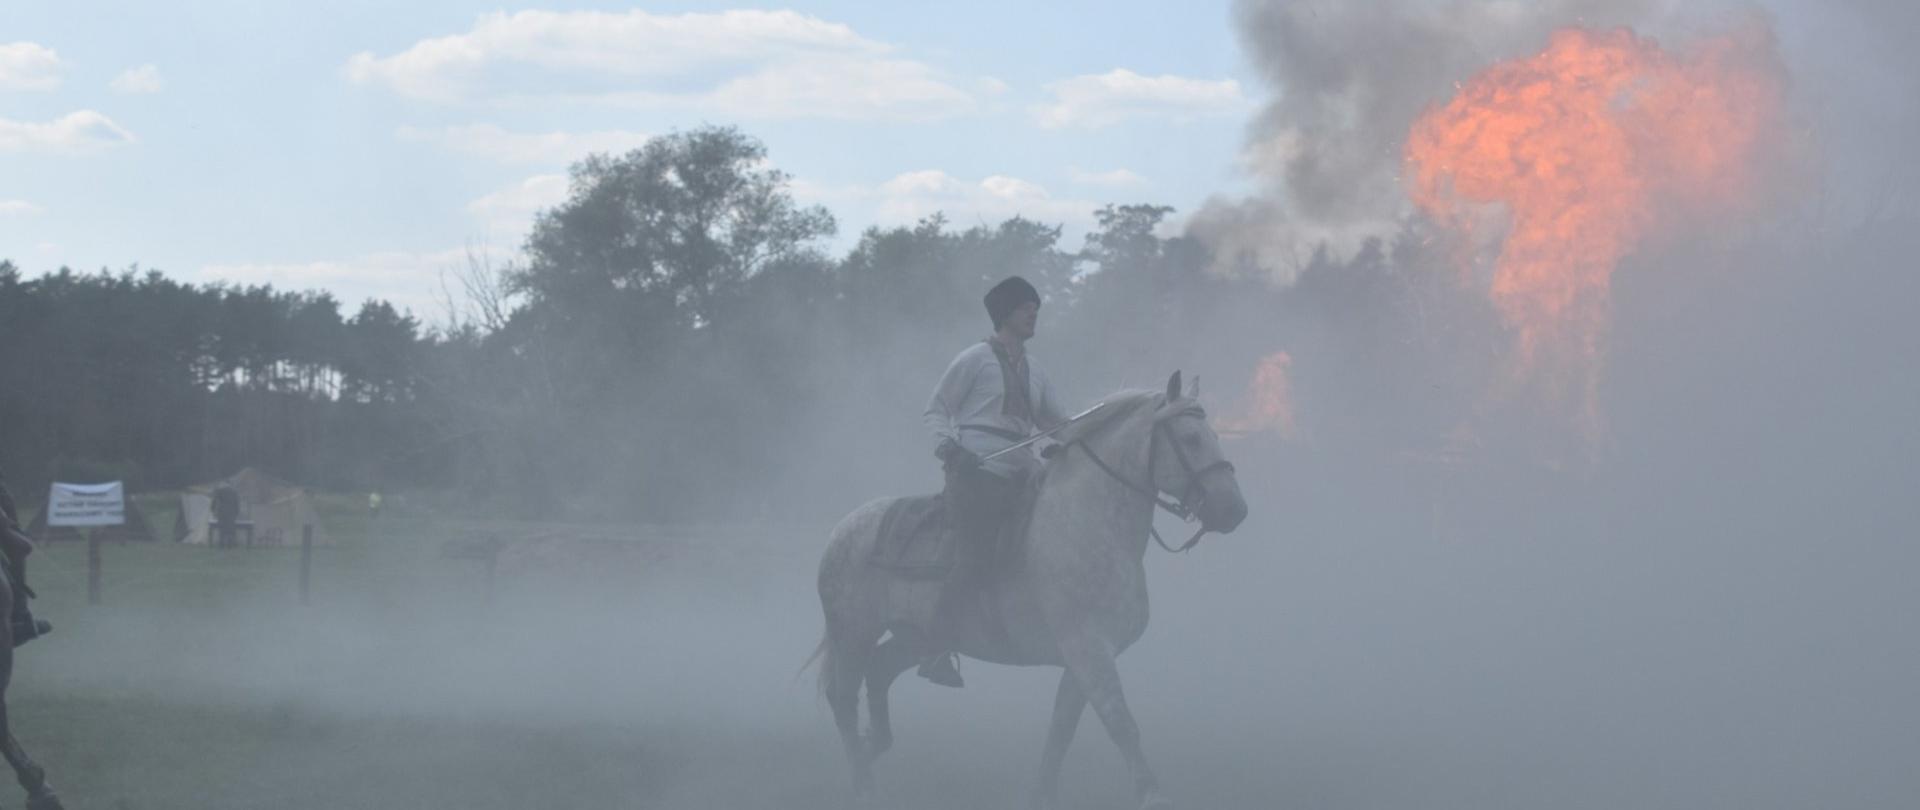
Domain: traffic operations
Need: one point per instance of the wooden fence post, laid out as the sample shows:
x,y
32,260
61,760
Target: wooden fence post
x,y
93,567
306,562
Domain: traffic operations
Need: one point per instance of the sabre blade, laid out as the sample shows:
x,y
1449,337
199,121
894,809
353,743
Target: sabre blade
x,y
1043,434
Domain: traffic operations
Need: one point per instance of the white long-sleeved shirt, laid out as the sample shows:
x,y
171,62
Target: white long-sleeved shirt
x,y
973,392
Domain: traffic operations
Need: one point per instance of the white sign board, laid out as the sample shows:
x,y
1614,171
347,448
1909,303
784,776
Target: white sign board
x,y
86,505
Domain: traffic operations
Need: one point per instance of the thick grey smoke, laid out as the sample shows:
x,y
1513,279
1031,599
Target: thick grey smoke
x,y
1857,73
1347,79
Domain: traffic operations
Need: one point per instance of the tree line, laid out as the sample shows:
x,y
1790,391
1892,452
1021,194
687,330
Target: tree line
x,y
673,341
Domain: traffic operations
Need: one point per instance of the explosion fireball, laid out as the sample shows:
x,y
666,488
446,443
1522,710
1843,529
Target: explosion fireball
x,y
1591,147
1267,405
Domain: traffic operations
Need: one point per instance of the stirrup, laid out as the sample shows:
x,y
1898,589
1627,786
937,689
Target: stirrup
x,y
942,669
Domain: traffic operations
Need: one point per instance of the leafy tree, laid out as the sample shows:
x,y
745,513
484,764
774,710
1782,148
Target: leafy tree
x,y
674,228
657,267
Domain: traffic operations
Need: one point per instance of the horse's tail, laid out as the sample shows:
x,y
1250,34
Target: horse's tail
x,y
819,650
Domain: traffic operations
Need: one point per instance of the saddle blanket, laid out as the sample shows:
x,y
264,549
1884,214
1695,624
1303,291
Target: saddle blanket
x,y
913,539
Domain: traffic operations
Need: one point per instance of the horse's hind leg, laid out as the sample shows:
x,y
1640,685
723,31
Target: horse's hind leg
x,y
845,668
887,662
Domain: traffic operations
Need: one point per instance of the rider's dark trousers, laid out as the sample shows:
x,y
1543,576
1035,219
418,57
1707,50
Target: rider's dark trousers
x,y
978,503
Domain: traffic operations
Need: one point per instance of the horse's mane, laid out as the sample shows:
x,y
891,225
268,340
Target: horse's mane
x,y
1117,405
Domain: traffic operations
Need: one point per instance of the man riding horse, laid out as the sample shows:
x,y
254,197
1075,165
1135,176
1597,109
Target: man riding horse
x,y
991,397
1075,594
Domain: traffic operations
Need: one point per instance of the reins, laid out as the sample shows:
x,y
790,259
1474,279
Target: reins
x,y
1180,508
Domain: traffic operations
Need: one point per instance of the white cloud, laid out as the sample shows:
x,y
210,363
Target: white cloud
x,y
18,208
80,131
29,66
143,79
509,212
842,87
1120,94
1117,178
767,64
912,196
550,148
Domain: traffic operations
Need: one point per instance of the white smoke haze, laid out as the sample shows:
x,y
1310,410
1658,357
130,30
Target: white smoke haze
x,y
1717,611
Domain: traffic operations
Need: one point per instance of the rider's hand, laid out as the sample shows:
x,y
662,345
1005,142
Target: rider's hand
x,y
956,457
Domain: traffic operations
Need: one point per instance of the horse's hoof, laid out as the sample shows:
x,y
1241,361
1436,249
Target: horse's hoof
x,y
1152,800
44,801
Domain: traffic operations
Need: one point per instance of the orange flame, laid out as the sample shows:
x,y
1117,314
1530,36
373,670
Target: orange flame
x,y
1267,405
1591,146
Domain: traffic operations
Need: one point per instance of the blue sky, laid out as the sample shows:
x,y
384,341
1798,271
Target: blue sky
x,y
366,147
363,147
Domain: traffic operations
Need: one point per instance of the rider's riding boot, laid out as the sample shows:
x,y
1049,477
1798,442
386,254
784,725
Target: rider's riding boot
x,y
977,501
942,666
943,669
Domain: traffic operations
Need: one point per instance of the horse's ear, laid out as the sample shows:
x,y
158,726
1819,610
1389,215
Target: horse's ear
x,y
1173,387
1193,388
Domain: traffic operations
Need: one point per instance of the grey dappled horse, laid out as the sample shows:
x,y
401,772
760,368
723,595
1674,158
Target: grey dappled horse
x,y
1075,599
32,777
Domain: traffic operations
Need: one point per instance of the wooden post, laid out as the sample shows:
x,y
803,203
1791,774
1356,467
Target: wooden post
x,y
93,567
306,562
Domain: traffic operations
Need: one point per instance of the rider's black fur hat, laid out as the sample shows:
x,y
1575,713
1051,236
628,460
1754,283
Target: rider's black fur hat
x,y
1007,295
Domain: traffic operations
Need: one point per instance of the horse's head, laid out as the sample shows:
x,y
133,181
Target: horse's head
x,y
1186,462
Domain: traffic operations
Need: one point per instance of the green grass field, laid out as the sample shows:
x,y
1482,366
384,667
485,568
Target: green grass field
x,y
201,681
608,667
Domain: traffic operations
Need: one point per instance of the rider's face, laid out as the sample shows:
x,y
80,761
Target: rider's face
x,y
1024,320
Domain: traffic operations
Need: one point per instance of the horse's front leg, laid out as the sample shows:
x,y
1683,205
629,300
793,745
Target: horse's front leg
x,y
1068,703
1090,662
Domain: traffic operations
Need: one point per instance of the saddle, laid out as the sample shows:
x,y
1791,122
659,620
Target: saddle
x,y
916,540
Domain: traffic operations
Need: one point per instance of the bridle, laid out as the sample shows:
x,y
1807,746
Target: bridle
x,y
1185,506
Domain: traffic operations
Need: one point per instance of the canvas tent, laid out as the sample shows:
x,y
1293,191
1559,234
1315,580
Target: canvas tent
x,y
276,511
